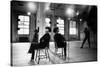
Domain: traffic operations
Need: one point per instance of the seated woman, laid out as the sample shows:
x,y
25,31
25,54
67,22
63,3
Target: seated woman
x,y
60,40
44,42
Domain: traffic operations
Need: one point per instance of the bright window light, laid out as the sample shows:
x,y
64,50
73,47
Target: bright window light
x,y
23,25
60,25
72,29
47,20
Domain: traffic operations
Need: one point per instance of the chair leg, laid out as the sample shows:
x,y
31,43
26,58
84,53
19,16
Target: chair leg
x,y
62,52
36,55
46,53
39,57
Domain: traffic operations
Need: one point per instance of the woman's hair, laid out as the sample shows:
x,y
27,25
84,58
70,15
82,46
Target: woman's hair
x,y
36,31
48,28
55,29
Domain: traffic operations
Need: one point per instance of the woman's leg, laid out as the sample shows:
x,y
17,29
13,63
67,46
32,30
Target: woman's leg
x,y
33,50
32,57
84,42
65,50
89,42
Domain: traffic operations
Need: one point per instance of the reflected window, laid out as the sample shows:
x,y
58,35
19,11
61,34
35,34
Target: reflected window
x,y
23,24
47,20
72,29
60,25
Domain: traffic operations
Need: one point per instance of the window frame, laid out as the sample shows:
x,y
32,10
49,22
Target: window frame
x,y
59,25
23,25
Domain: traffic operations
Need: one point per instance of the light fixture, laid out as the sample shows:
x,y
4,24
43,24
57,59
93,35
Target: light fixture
x,y
70,12
47,6
28,13
31,6
80,19
77,13
69,18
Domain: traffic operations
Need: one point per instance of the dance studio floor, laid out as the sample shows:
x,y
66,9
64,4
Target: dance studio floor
x,y
20,57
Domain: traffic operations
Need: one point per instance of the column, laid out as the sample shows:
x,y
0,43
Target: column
x,y
41,19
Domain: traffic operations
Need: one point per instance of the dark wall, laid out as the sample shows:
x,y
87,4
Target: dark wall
x,y
13,26
92,19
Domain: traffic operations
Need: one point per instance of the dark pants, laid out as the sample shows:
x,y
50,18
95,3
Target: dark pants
x,y
37,46
86,38
62,45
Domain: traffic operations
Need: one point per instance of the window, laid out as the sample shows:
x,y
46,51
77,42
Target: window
x,y
72,28
23,24
60,25
47,20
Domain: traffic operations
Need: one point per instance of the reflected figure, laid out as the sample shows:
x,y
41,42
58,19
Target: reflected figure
x,y
44,42
87,37
60,40
34,42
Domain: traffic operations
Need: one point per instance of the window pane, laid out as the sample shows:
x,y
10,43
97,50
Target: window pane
x,y
23,24
26,18
61,31
21,18
26,31
72,31
20,31
47,20
60,21
61,28
20,26
20,23
23,31
26,23
72,24
48,25
26,27
60,25
72,28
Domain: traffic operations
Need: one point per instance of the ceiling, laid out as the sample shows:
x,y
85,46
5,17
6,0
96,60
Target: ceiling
x,y
85,11
57,8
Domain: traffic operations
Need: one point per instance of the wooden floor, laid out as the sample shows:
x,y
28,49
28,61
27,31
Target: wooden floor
x,y
20,57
